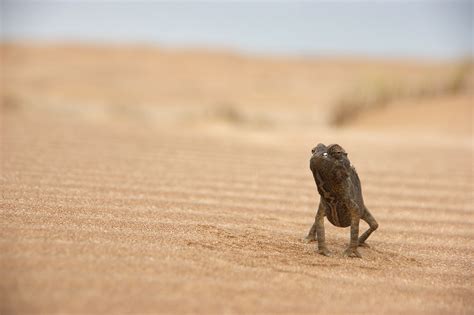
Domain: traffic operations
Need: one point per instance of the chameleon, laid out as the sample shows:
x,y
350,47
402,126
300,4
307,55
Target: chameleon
x,y
341,198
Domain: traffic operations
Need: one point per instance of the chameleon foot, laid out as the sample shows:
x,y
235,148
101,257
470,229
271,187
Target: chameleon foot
x,y
352,252
324,251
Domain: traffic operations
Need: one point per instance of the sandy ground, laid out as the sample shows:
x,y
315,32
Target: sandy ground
x,y
117,215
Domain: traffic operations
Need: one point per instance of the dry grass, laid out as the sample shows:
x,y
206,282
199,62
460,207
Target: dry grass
x,y
372,95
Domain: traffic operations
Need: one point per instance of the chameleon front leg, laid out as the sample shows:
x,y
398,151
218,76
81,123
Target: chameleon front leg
x,y
352,251
311,237
312,232
319,222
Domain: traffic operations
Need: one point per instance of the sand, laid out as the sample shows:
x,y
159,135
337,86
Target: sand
x,y
121,214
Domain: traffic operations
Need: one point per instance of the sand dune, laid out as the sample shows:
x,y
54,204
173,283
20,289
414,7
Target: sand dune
x,y
118,215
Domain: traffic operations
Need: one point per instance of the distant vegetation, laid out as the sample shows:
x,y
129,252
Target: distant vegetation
x,y
381,92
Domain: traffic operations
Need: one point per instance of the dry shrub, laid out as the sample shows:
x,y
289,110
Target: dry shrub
x,y
228,112
10,102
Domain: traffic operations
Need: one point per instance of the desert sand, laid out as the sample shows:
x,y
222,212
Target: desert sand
x,y
143,180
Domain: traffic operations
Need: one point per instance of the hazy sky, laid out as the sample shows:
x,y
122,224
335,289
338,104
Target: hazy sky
x,y
439,29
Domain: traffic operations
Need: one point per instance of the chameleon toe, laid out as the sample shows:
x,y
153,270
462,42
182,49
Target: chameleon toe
x,y
352,252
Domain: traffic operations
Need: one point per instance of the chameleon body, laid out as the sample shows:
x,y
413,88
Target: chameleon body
x,y
341,199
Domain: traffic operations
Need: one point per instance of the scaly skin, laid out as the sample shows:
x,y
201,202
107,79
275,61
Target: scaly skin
x,y
341,198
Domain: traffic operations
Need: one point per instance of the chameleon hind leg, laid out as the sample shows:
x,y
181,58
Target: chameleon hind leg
x,y
373,225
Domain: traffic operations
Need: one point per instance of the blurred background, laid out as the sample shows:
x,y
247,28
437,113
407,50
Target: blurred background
x,y
154,155
241,64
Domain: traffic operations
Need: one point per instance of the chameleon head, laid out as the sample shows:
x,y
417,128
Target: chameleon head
x,y
319,157
330,151
328,154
